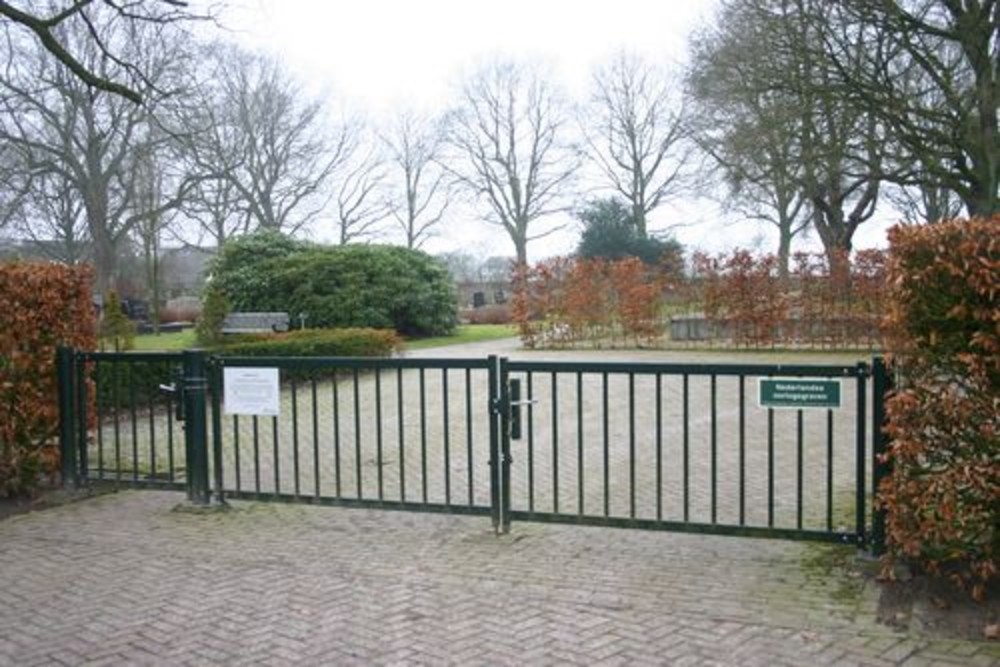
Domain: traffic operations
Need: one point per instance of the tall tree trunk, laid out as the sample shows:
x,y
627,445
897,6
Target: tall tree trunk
x,y
105,252
784,248
639,219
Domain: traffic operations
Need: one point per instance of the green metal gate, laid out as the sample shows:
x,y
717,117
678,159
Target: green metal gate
x,y
684,447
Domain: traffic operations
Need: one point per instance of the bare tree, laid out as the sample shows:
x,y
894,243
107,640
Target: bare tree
x,y
751,135
843,148
635,132
88,19
17,183
260,146
213,148
928,70
925,203
359,203
507,135
52,219
801,129
64,129
420,194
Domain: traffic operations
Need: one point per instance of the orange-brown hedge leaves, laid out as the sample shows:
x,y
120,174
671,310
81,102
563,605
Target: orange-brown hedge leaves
x,y
565,301
42,306
746,301
942,496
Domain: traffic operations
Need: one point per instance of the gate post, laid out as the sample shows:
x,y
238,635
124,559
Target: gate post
x,y
861,516
880,467
493,363
505,459
195,432
215,395
67,418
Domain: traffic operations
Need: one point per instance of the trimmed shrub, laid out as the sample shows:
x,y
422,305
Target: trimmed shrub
x,y
117,333
208,330
316,342
42,306
245,268
342,286
943,327
610,233
495,314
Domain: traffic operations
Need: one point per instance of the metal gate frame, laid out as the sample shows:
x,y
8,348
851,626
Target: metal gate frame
x,y
200,389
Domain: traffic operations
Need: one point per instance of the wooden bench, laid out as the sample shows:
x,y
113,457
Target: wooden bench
x,y
249,323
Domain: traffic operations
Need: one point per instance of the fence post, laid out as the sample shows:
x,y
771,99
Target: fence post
x,y
505,459
880,468
493,363
67,416
861,516
215,386
195,431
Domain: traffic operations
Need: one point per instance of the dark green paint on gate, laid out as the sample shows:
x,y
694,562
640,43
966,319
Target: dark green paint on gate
x,y
798,393
107,421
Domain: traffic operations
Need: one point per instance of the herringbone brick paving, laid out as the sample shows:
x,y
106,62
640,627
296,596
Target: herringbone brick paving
x,y
124,579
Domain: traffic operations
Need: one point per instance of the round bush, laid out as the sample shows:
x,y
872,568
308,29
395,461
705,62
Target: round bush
x,y
381,287
244,270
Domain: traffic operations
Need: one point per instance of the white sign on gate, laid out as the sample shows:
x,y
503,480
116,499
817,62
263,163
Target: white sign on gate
x,y
251,391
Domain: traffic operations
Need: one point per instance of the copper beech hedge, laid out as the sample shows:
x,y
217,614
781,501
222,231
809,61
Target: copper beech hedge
x,y
820,303
942,496
42,306
565,301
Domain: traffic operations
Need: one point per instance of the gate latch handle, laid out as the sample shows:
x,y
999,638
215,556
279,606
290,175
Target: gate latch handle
x,y
176,391
514,402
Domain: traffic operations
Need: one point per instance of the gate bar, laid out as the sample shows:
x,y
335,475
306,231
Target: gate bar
x,y
495,408
195,384
67,451
881,384
859,481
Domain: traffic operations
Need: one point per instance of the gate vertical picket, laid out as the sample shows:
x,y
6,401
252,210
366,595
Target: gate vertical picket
x,y
195,432
495,409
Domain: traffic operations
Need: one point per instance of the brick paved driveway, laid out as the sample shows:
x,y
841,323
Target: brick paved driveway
x,y
124,579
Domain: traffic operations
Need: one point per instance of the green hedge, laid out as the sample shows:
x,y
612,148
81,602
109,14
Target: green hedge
x,y
126,380
137,382
315,342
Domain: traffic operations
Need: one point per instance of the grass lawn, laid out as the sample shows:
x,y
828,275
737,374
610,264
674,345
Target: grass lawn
x,y
466,333
469,333
165,342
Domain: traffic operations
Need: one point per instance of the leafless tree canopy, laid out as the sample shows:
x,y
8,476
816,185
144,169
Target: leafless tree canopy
x,y
930,71
359,182
635,132
86,21
419,194
507,136
751,134
786,135
70,139
262,146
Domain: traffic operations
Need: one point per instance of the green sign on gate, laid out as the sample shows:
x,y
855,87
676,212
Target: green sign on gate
x,y
798,393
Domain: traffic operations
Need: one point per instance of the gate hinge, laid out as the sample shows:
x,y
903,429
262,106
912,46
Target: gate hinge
x,y
496,406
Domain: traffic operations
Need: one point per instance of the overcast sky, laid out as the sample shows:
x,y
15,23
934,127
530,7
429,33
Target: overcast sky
x,y
379,55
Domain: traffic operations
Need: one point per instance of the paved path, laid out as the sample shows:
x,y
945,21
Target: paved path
x,y
125,579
